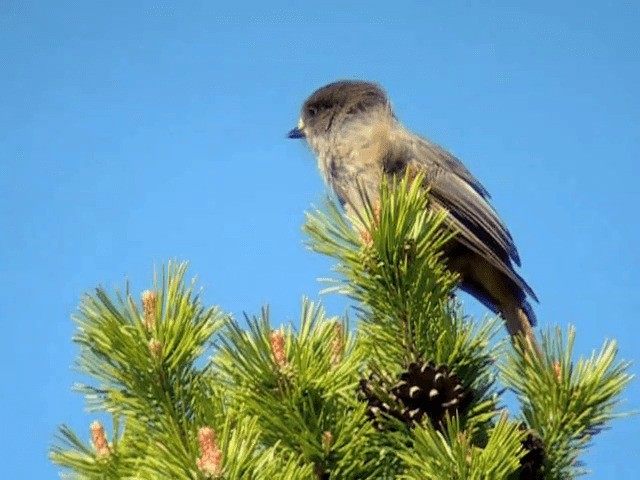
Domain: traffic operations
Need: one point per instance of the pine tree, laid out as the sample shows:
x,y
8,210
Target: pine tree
x,y
413,391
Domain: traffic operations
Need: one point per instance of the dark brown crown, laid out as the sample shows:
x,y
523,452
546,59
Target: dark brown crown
x,y
342,97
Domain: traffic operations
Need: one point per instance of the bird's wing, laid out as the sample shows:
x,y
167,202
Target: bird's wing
x,y
476,223
479,228
441,157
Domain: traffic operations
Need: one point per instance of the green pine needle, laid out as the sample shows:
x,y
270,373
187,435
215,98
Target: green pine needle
x,y
566,402
283,402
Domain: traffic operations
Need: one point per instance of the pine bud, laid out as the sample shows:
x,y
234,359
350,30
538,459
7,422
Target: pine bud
x,y
365,231
337,344
277,348
327,441
210,461
365,236
149,305
376,214
99,440
557,369
155,348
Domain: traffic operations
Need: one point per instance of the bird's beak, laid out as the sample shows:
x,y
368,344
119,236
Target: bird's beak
x,y
297,132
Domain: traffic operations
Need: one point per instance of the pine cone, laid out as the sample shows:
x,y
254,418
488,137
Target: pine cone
x,y
372,390
434,391
423,389
531,463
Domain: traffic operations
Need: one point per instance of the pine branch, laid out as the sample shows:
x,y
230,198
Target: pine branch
x,y
567,403
300,386
145,361
390,261
412,393
435,455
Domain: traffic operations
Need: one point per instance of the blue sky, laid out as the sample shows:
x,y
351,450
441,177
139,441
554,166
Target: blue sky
x,y
134,134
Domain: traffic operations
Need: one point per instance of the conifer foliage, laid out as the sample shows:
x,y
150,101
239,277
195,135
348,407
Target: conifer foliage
x,y
412,391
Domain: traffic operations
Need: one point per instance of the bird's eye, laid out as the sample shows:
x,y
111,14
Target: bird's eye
x,y
311,111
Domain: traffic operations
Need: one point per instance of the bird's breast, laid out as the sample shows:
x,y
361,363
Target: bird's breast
x,y
354,161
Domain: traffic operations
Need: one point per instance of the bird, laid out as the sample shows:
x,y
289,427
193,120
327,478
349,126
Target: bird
x,y
352,129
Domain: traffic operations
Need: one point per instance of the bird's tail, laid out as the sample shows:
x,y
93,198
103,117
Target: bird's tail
x,y
518,319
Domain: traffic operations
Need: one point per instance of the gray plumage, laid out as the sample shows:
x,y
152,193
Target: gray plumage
x,y
356,137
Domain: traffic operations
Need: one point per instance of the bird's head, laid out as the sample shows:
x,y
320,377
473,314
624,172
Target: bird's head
x,y
338,107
